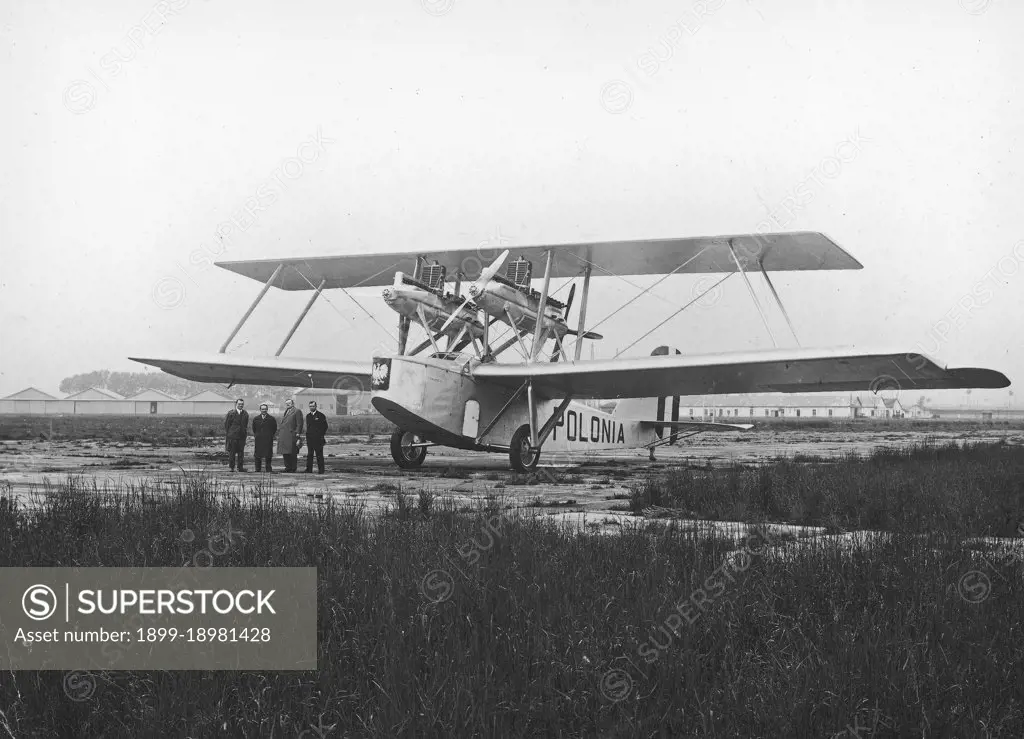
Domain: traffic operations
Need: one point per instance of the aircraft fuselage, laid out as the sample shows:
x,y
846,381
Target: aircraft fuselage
x,y
439,401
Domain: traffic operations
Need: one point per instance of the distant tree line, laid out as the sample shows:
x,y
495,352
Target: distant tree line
x,y
132,383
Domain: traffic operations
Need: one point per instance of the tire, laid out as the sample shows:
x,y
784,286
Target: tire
x,y
406,457
521,454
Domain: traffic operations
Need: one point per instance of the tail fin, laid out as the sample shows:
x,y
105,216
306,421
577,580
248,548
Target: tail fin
x,y
652,409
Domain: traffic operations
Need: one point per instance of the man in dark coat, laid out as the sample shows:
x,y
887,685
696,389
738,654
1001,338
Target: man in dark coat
x,y
290,439
236,428
316,430
264,428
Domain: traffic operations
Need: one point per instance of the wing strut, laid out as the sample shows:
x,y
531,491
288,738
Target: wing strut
x,y
781,306
549,425
753,296
538,331
559,350
531,404
507,344
583,312
252,307
312,299
426,327
519,335
452,343
424,344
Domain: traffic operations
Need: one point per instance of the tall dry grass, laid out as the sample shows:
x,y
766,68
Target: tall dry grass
x,y
957,490
439,623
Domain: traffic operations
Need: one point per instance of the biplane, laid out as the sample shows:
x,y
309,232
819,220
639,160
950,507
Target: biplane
x,y
468,395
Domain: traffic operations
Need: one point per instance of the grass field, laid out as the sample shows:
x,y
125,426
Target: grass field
x,y
163,430
654,632
188,430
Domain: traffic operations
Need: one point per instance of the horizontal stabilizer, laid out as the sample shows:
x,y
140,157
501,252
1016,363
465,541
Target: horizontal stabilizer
x,y
701,425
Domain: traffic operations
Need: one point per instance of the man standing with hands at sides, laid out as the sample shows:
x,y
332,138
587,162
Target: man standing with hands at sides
x,y
316,430
291,432
264,428
236,428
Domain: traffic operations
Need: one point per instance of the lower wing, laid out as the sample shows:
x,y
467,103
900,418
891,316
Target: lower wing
x,y
283,371
777,370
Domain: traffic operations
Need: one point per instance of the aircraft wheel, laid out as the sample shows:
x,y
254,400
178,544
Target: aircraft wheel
x,y
405,455
521,454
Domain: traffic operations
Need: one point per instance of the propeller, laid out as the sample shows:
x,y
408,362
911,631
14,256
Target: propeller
x,y
568,306
565,316
568,303
481,283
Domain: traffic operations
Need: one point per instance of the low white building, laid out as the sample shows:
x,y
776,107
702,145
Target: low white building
x,y
27,401
101,401
879,407
153,402
210,403
774,405
918,411
785,405
977,414
96,401
327,401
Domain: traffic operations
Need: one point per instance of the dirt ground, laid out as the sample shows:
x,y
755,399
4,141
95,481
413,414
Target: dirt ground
x,y
592,488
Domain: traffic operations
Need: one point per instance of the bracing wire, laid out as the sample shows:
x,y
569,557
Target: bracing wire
x,y
361,306
676,313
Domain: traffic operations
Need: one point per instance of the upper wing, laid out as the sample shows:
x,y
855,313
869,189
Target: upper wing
x,y
798,250
285,371
778,370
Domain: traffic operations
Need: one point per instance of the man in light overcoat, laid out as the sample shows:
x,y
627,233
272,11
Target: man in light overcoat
x,y
290,436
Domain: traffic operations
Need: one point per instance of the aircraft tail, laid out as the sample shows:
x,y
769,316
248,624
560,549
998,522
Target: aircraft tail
x,y
652,409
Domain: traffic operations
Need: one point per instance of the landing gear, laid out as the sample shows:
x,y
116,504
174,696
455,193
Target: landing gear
x,y
521,454
407,456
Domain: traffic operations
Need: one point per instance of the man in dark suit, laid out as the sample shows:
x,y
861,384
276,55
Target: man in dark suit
x,y
236,428
264,428
316,430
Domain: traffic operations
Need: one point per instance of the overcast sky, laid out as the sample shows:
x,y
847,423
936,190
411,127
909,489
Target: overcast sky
x,y
134,130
